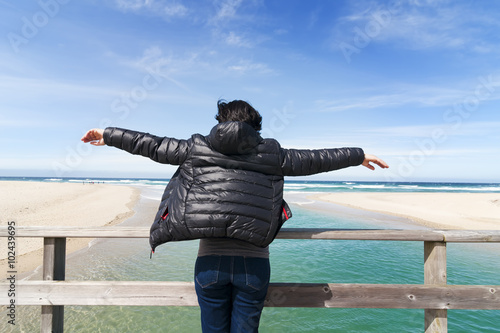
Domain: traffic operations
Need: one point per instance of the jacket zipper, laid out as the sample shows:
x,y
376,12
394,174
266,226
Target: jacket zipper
x,y
165,214
163,218
284,211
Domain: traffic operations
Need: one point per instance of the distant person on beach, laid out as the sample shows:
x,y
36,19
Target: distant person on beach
x,y
228,192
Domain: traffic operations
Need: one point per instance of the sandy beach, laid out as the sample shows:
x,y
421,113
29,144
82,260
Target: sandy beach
x,y
77,204
59,204
473,211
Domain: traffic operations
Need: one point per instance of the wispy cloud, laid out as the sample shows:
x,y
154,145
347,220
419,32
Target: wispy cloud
x,y
154,61
165,9
226,10
236,40
7,3
466,129
437,152
46,88
174,67
6,121
228,18
247,66
131,5
413,94
419,25
175,10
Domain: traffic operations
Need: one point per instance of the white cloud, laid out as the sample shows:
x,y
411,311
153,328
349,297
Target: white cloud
x,y
132,5
45,88
421,30
229,16
99,160
392,153
235,40
478,129
175,10
170,66
8,121
165,9
247,66
417,25
280,31
482,89
164,66
227,10
369,102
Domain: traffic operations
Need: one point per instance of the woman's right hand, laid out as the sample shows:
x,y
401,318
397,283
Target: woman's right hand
x,y
374,159
94,137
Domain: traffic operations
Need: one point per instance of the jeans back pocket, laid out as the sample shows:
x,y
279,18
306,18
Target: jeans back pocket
x,y
258,272
207,270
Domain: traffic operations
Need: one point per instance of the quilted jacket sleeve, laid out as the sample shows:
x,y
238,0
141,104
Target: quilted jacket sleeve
x,y
159,149
303,162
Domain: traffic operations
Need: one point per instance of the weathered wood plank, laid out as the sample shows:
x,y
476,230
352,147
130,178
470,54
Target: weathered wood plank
x,y
436,320
54,259
435,263
471,236
384,296
54,268
290,233
79,232
326,295
126,293
285,233
359,234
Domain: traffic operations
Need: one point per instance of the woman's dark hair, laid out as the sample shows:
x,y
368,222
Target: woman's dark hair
x,y
238,110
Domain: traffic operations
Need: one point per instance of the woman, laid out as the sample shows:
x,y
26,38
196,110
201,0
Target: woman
x,y
228,192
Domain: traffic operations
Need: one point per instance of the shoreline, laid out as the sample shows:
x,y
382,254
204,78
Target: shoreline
x,y
474,211
60,204
77,204
372,219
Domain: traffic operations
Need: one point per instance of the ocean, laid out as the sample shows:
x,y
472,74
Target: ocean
x,y
302,186
312,261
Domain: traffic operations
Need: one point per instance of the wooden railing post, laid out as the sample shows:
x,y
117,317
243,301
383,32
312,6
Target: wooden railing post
x,y
54,268
436,320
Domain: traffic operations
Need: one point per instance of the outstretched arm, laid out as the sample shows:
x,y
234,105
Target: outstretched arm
x,y
374,159
94,136
159,149
303,162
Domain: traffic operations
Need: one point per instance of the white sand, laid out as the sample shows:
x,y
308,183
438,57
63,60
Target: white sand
x,y
65,204
473,211
59,204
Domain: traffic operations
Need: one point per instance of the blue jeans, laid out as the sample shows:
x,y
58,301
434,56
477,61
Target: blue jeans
x,y
231,292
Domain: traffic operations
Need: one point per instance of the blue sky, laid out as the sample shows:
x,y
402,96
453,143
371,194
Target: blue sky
x,y
415,82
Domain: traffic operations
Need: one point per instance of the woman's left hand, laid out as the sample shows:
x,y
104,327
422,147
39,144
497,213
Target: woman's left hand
x,y
94,136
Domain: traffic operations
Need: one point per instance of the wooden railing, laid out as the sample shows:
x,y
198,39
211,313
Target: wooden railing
x,y
435,295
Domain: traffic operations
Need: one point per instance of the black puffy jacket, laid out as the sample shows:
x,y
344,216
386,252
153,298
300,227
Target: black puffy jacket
x,y
229,183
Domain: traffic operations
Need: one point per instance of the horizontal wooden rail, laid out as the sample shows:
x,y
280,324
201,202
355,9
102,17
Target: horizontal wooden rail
x,y
435,296
285,233
316,295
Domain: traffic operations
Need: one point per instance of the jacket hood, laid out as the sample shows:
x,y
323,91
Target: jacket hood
x,y
234,138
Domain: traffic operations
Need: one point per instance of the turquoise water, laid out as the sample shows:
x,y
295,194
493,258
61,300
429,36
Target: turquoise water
x,y
292,185
319,261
